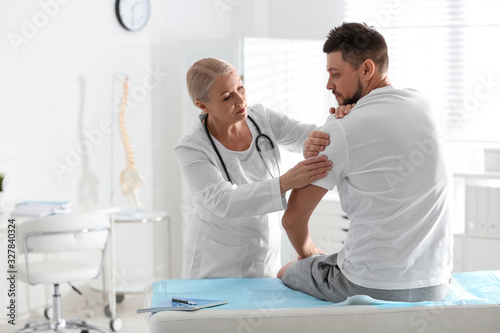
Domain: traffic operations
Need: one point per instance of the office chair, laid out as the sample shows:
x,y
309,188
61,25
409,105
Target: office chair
x,y
61,234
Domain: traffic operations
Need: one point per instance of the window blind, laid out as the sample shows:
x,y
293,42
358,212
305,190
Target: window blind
x,y
446,49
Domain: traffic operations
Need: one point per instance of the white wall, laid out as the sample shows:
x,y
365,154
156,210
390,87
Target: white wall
x,y
57,59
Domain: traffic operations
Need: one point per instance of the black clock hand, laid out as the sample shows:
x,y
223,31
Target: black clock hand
x,y
133,11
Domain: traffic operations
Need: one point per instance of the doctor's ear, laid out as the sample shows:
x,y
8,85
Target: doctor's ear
x,y
202,106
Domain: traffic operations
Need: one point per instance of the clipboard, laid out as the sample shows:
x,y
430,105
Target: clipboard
x,y
188,304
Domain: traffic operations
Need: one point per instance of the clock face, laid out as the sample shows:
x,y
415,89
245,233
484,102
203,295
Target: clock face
x,y
132,14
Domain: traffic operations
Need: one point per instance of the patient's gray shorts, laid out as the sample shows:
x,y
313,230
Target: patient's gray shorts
x,y
320,276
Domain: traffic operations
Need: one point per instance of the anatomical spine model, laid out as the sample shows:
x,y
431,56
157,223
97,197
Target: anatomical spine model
x,y
130,179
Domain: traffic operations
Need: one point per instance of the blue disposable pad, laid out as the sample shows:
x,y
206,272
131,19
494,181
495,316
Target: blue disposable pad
x,y
482,287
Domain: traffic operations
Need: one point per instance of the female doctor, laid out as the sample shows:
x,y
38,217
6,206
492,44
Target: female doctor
x,y
230,159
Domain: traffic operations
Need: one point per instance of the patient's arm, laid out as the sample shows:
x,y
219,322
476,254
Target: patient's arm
x,y
301,205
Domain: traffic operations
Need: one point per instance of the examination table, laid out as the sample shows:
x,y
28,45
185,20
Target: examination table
x,y
267,305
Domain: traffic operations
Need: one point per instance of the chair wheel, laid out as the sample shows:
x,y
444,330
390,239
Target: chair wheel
x,y
85,331
116,324
47,313
107,311
120,298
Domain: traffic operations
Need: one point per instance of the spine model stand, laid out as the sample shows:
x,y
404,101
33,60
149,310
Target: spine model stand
x,y
130,179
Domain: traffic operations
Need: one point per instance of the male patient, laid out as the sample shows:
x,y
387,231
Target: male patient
x,y
391,168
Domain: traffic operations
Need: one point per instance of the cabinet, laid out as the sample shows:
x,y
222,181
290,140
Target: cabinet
x,y
477,230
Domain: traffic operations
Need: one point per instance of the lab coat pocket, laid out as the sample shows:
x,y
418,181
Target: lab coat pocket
x,y
224,261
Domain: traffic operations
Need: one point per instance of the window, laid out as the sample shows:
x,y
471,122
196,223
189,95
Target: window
x,y
448,50
289,76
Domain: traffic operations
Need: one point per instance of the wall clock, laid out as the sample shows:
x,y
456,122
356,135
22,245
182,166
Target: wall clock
x,y
132,14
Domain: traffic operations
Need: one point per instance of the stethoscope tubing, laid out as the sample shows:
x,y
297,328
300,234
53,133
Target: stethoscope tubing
x,y
260,135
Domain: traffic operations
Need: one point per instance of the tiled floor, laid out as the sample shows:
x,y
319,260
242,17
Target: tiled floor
x,y
90,306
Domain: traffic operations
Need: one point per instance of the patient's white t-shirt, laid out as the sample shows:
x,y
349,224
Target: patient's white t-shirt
x,y
391,167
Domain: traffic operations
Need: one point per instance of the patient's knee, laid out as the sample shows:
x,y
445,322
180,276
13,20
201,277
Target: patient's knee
x,y
283,269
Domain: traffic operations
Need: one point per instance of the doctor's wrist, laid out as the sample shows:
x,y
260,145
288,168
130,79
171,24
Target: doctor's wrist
x,y
284,186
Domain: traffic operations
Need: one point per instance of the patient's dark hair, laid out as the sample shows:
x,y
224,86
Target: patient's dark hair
x,y
358,42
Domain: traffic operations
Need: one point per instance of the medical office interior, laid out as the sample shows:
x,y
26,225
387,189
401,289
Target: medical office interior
x,y
65,67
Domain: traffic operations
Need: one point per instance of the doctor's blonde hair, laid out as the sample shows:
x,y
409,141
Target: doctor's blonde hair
x,y
201,76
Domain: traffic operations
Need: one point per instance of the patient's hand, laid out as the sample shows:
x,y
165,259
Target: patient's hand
x,y
342,110
316,251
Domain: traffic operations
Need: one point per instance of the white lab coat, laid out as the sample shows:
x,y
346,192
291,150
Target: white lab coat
x,y
235,231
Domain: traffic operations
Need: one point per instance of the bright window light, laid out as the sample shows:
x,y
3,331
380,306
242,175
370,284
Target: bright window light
x,y
447,49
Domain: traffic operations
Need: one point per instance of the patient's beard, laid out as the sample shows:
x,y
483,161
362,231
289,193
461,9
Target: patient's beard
x,y
357,96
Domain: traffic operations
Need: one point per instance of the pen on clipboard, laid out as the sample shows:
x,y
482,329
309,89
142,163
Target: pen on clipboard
x,y
183,301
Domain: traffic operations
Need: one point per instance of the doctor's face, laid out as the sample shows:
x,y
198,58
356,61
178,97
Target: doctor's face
x,y
343,80
228,99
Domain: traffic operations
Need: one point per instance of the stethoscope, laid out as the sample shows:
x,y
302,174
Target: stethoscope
x,y
260,136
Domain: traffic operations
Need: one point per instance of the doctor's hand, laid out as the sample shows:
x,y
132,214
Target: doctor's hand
x,y
342,110
315,143
304,173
